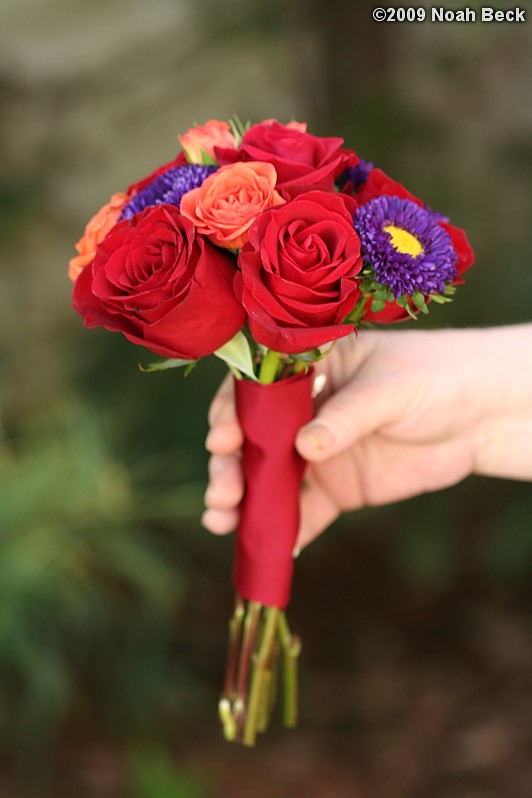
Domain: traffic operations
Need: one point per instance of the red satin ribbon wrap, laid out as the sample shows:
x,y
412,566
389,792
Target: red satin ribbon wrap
x,y
270,416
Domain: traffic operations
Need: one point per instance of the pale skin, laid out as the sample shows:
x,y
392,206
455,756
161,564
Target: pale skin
x,y
401,413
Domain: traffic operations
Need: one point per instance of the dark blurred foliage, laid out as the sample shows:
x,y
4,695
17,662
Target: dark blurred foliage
x,y
415,617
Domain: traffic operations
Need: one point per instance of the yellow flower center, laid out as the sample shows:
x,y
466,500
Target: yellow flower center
x,y
403,241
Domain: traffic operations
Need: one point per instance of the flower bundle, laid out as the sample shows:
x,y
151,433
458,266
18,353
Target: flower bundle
x,y
263,245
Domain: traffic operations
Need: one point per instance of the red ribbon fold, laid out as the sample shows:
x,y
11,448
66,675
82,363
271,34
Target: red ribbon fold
x,y
270,416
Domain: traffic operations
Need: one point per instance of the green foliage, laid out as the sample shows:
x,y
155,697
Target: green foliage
x,y
420,302
381,294
312,356
169,363
237,355
206,159
88,592
153,775
238,128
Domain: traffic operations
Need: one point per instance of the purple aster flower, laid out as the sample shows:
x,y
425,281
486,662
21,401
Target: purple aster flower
x,y
168,188
357,175
406,245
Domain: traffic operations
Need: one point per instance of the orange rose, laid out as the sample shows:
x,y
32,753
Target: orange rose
x,y
95,231
301,126
228,202
205,137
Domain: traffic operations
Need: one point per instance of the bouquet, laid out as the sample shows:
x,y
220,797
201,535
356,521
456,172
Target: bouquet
x,y
262,245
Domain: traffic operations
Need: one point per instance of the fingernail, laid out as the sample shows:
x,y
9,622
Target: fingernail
x,y
296,552
317,436
208,441
319,384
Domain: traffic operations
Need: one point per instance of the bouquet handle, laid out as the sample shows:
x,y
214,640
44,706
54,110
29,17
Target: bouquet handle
x,y
270,416
259,635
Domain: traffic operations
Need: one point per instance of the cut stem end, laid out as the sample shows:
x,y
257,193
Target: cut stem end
x,y
259,638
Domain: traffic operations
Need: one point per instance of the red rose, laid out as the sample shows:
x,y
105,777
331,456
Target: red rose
x,y
179,160
299,272
380,184
161,285
302,161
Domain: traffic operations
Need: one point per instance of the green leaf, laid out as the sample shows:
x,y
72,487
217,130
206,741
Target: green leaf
x,y
418,299
410,312
378,304
381,296
312,356
238,128
420,302
171,363
191,366
439,299
402,301
380,292
206,159
236,353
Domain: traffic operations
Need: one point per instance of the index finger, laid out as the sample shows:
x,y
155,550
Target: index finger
x,y
223,399
225,436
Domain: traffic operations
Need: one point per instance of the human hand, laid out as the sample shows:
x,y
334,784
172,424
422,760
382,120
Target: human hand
x,y
402,413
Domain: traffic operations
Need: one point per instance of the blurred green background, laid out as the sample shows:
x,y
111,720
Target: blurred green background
x,y
417,663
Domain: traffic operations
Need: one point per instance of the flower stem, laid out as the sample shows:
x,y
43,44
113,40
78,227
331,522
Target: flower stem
x,y
299,366
291,647
358,311
251,623
235,633
227,718
269,366
272,689
224,706
263,714
260,669
258,637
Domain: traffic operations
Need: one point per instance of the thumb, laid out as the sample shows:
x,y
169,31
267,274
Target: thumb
x,y
355,411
